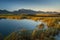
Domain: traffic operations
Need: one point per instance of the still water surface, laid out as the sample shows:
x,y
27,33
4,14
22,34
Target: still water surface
x,y
8,26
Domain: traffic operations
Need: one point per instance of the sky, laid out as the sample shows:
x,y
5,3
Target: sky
x,y
37,5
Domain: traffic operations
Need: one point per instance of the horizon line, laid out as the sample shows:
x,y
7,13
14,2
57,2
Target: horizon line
x,y
30,9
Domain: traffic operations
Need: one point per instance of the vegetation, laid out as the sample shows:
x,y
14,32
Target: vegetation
x,y
53,24
48,34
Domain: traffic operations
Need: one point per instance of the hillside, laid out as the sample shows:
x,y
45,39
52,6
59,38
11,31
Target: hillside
x,y
26,11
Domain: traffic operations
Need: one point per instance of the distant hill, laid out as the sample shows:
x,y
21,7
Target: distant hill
x,y
26,11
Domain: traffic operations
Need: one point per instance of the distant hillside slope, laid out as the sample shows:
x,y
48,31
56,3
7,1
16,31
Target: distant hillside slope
x,y
26,11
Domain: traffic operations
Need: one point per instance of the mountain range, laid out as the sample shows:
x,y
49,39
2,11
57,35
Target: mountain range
x,y
26,11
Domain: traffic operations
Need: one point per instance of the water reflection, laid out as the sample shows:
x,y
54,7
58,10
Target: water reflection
x,y
9,25
57,37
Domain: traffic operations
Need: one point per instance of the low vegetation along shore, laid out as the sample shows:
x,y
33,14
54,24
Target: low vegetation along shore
x,y
53,24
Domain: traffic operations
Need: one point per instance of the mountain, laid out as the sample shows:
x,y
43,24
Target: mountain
x,y
4,12
26,11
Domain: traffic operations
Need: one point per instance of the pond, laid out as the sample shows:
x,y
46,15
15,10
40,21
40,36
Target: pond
x,y
9,25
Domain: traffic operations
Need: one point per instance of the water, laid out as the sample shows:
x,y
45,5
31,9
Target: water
x,y
57,37
8,26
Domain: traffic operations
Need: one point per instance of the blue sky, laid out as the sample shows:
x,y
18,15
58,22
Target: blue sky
x,y
43,5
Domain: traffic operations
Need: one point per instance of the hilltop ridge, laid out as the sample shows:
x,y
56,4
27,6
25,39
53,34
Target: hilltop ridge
x,y
26,11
